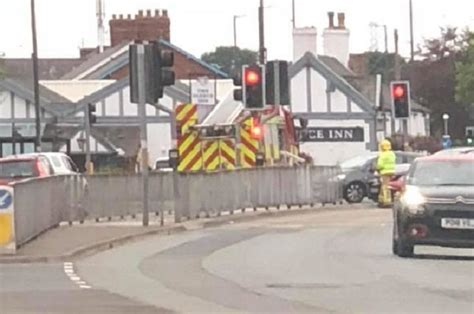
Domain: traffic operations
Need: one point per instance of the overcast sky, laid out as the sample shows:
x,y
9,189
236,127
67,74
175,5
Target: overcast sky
x,y
198,26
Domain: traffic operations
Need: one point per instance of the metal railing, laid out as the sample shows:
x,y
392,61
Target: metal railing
x,y
41,204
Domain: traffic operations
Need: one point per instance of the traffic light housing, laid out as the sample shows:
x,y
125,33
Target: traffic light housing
x,y
400,94
469,138
238,93
253,82
277,83
158,71
91,112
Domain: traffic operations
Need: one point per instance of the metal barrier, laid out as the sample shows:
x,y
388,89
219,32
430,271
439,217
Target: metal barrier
x,y
41,204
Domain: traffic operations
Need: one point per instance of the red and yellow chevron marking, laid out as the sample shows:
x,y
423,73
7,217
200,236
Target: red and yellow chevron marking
x,y
186,116
189,145
189,148
248,146
219,154
227,153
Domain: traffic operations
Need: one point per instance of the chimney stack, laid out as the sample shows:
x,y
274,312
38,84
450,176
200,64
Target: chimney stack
x,y
331,19
146,25
336,39
341,17
304,40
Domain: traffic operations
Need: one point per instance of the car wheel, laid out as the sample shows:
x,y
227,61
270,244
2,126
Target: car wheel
x,y
404,249
354,192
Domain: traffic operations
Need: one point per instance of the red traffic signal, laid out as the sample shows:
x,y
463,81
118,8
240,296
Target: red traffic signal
x,y
252,77
398,91
256,131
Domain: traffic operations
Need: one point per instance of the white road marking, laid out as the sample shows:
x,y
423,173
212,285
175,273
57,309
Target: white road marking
x,y
4,198
69,271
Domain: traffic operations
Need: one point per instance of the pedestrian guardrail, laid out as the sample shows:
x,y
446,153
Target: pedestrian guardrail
x,y
37,205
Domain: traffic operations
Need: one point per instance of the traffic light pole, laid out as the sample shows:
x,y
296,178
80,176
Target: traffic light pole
x,y
87,127
143,129
261,32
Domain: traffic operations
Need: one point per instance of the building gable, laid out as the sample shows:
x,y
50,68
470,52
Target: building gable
x,y
303,72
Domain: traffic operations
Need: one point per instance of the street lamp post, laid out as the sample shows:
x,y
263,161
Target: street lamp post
x,y
445,119
235,28
36,79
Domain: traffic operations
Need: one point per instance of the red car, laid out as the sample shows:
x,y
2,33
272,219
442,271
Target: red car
x,y
16,168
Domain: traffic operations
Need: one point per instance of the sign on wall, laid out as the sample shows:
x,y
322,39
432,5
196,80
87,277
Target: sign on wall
x,y
330,134
203,92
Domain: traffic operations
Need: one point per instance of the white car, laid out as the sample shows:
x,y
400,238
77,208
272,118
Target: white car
x,y
60,163
163,164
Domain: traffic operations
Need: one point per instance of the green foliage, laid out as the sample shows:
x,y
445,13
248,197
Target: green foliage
x,y
230,59
465,74
383,63
449,43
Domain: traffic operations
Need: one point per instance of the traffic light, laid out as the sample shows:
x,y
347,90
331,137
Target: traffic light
x,y
91,112
158,71
256,129
400,92
238,93
254,87
277,83
469,138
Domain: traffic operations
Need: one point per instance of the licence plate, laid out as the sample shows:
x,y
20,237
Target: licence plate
x,y
457,223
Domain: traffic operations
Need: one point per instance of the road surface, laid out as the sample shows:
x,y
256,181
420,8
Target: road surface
x,y
323,262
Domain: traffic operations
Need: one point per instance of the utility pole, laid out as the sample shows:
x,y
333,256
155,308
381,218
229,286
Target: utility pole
x,y
293,10
385,37
261,27
397,76
404,122
412,43
36,79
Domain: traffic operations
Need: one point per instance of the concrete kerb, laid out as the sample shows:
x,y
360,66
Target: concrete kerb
x,y
90,249
94,248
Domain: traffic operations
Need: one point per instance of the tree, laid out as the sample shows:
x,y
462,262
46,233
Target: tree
x,y
449,43
383,63
230,59
465,74
433,79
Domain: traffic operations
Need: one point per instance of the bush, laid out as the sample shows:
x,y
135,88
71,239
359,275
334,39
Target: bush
x,y
428,144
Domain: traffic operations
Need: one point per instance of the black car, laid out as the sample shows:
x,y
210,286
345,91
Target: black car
x,y
436,206
358,173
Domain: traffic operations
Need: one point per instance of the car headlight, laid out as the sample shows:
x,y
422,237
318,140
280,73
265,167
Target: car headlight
x,y
341,177
413,200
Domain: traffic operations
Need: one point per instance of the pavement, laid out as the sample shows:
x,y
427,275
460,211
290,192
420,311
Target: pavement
x,y
69,242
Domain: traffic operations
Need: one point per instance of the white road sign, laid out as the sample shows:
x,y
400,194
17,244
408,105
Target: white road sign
x,y
203,92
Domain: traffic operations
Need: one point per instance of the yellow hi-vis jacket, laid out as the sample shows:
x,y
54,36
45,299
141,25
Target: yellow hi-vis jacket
x,y
386,163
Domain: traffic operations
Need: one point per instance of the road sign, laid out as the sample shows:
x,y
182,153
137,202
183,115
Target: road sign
x,y
6,199
203,92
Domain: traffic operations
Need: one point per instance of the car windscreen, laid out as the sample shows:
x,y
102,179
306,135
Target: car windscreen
x,y
357,162
17,169
433,173
162,164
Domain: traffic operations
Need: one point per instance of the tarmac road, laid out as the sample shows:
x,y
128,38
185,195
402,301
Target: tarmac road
x,y
322,262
